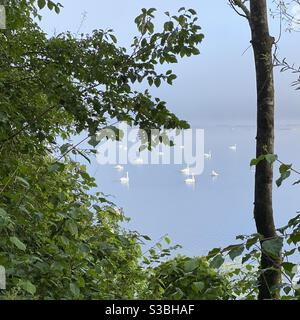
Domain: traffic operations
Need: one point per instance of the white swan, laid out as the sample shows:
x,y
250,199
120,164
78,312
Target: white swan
x,y
233,147
190,180
214,174
125,180
208,155
186,170
119,167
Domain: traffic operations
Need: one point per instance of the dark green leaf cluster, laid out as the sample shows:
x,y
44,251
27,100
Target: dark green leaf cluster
x,y
184,278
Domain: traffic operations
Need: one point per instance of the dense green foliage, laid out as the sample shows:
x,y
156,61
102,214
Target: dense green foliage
x,y
184,278
57,241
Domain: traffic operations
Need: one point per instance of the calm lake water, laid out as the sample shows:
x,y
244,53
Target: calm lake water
x,y
213,212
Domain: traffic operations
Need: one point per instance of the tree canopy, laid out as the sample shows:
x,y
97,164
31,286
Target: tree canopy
x,y
60,237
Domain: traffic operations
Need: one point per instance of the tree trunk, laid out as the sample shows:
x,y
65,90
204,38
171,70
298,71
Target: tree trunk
x,y
262,44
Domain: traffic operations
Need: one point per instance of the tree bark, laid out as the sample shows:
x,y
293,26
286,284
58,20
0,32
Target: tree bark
x,y
262,44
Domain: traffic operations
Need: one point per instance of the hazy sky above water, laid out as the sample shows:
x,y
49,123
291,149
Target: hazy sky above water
x,y
216,86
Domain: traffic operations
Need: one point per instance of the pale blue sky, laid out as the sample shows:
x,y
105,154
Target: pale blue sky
x,y
218,85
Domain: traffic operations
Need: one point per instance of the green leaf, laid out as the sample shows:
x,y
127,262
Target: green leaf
x,y
284,168
23,182
288,266
191,265
250,242
217,261
28,286
195,51
3,212
72,227
94,141
5,219
50,5
167,239
18,243
151,10
56,167
41,3
255,162
168,26
65,147
198,286
150,81
285,173
192,11
236,252
171,78
273,247
74,289
213,252
178,294
246,257
271,158
113,38
287,290
57,9
171,59
283,177
157,82
295,237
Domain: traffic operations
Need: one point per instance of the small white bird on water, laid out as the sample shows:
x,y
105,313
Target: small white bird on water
x,y
119,167
190,180
214,174
186,170
233,148
208,155
125,180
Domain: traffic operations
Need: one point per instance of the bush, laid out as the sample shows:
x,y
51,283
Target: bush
x,y
184,278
